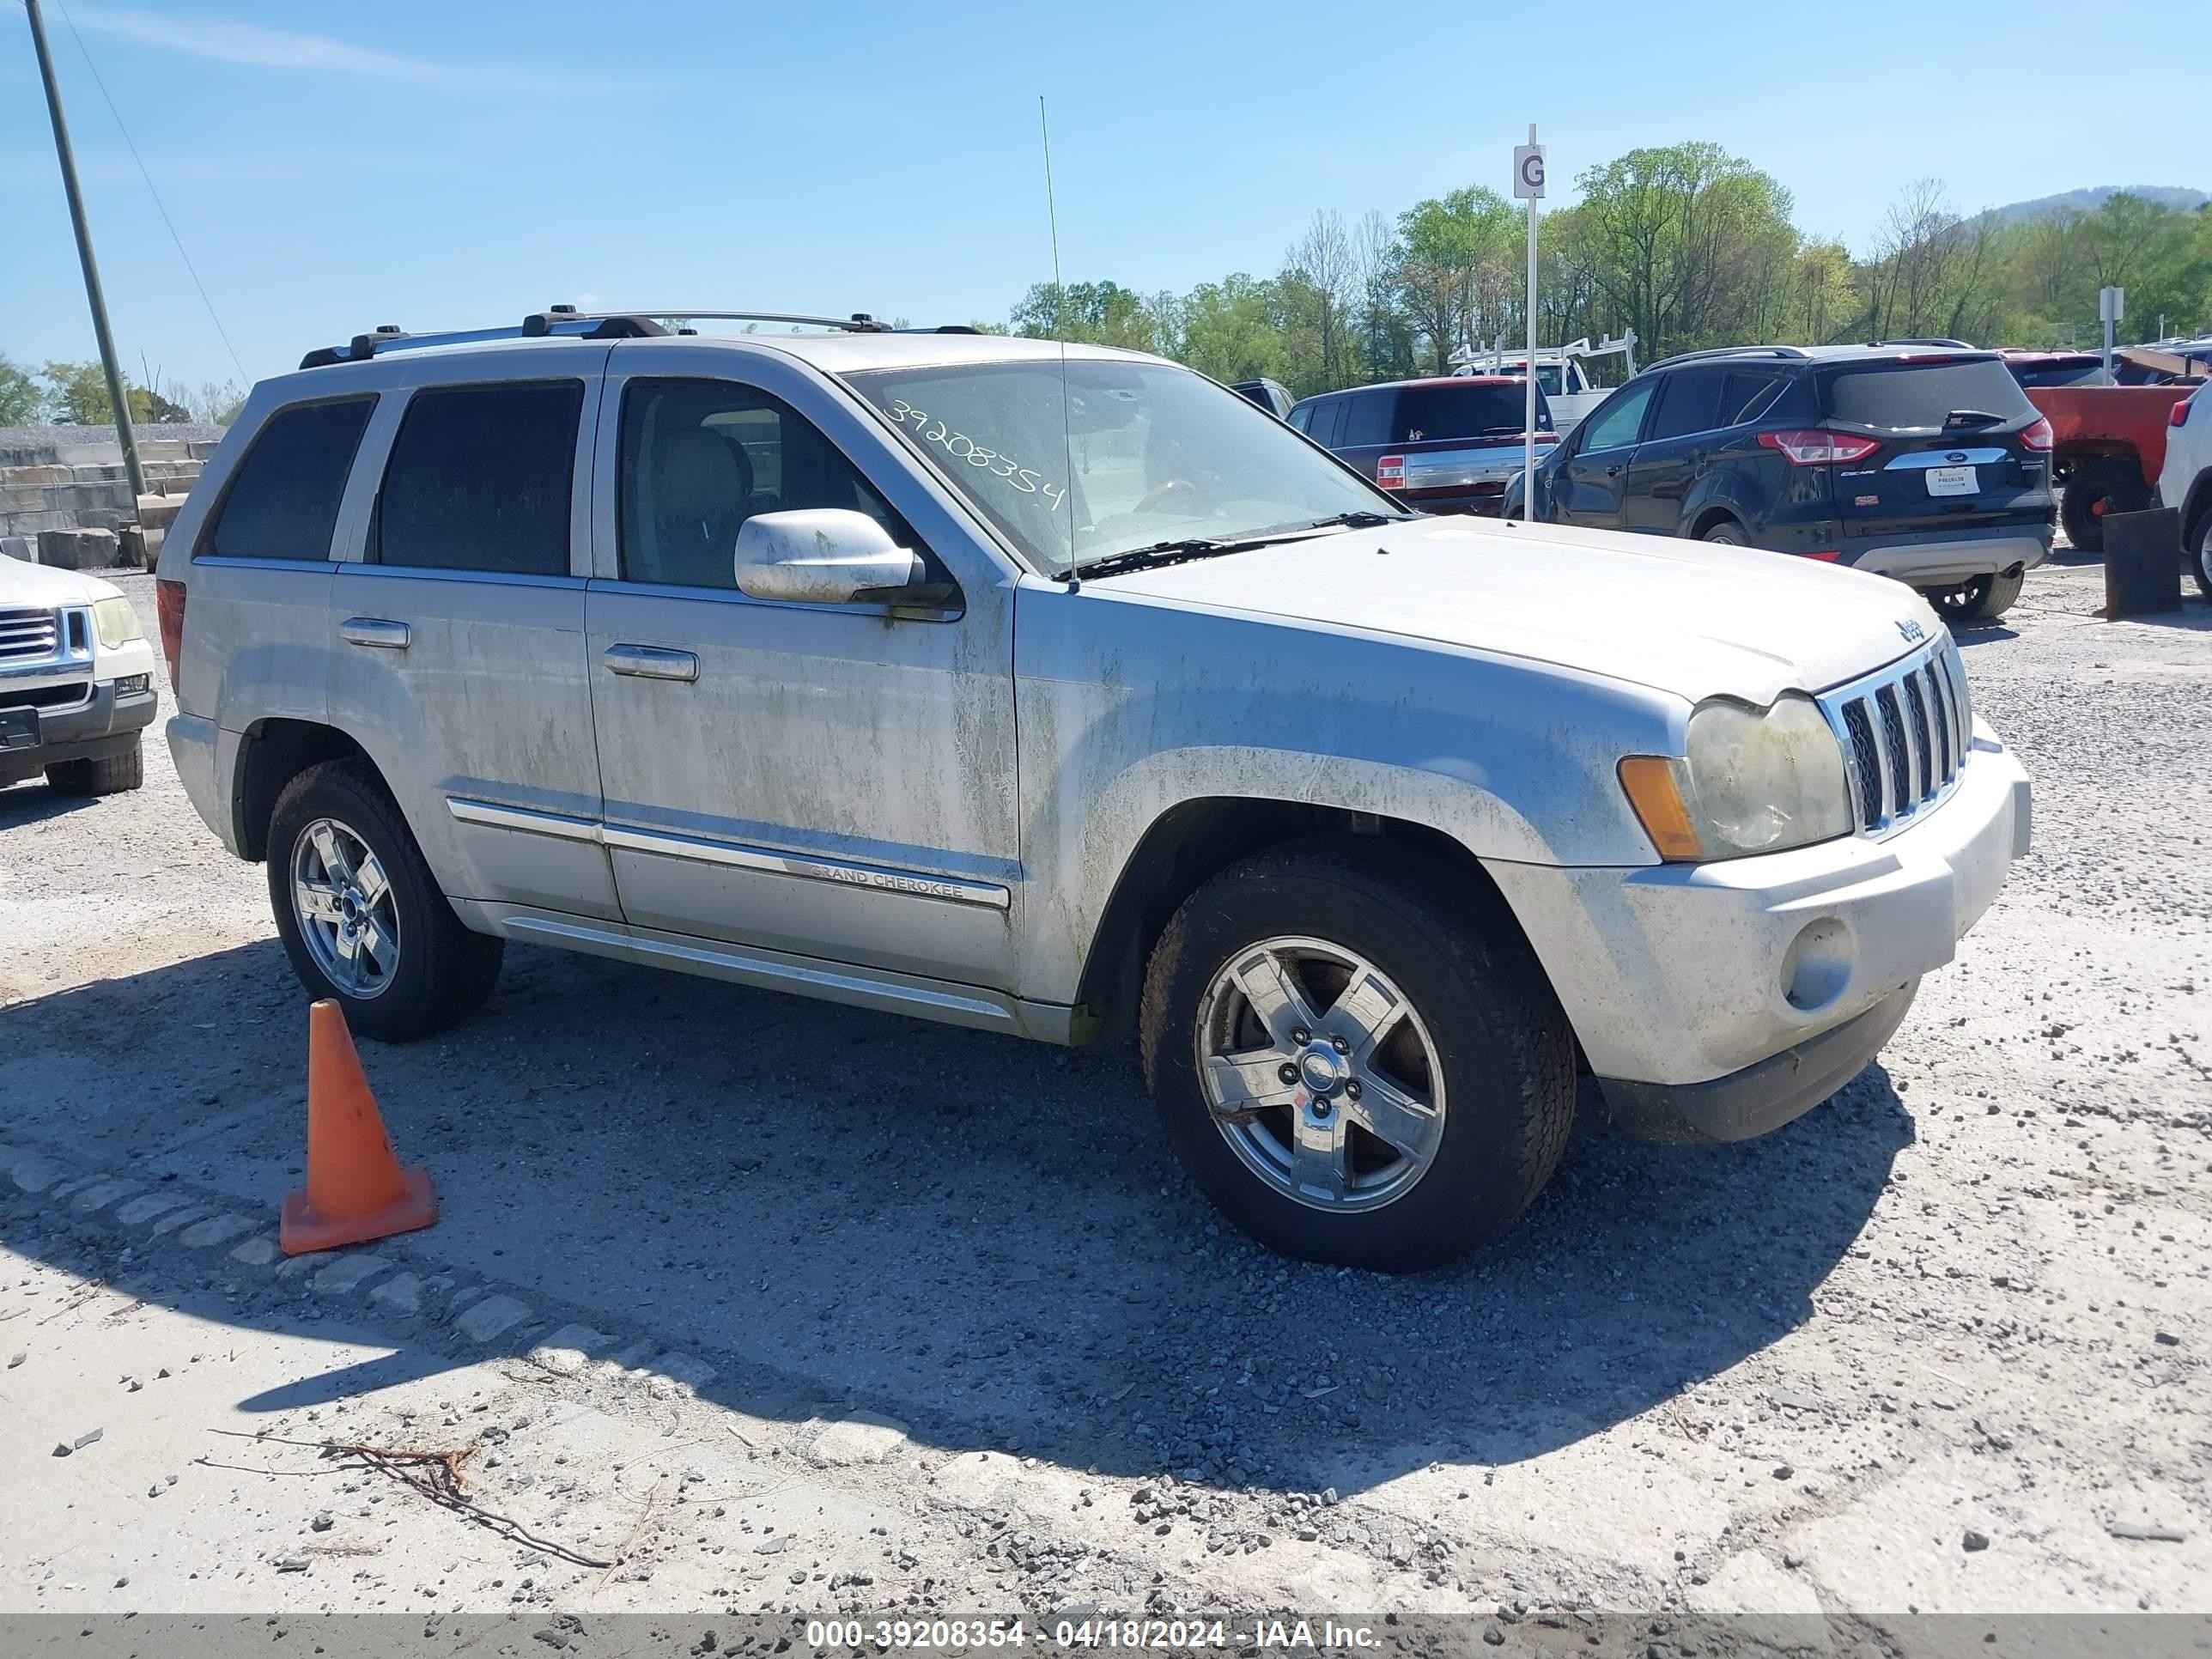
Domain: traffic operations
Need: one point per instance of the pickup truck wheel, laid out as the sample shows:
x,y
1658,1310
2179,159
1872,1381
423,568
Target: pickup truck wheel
x,y
360,914
2092,490
1346,1068
111,775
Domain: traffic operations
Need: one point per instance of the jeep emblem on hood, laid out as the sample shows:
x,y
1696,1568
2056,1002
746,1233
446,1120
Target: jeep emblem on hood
x,y
1911,630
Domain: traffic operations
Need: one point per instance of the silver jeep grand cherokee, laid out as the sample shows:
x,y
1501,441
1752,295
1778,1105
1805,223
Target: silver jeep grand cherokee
x,y
1062,693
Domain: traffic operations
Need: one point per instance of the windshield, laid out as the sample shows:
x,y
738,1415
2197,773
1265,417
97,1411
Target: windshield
x,y
1132,454
1547,375
1896,396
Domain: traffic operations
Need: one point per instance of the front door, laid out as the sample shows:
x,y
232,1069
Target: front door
x,y
1590,487
459,659
828,782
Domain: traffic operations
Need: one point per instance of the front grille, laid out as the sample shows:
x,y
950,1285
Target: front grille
x,y
1906,731
27,635
47,696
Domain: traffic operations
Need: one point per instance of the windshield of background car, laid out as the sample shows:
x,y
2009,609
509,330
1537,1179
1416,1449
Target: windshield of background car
x,y
1895,397
1126,455
1472,408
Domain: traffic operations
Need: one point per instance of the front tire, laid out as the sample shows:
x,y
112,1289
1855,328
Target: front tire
x,y
2202,559
109,774
1351,1071
361,915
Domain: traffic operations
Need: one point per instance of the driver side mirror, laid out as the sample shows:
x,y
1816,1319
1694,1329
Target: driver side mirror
x,y
833,555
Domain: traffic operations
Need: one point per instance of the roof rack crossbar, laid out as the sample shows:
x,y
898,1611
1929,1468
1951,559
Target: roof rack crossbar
x,y
1791,353
364,347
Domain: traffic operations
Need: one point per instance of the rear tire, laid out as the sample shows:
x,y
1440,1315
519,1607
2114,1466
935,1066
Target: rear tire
x,y
437,972
109,775
2092,490
1728,533
2201,557
1473,1076
1983,600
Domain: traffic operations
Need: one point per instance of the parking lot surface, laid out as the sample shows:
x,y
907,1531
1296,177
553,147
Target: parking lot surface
x,y
752,1302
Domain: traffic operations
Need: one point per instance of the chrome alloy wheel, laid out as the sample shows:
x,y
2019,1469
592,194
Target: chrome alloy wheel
x,y
1321,1074
343,905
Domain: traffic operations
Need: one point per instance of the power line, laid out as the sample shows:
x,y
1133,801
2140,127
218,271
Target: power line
x,y
159,207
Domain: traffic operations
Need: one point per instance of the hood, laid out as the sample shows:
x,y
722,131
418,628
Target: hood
x,y
22,583
1695,619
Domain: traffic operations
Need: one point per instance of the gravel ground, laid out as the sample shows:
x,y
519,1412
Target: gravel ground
x,y
936,1310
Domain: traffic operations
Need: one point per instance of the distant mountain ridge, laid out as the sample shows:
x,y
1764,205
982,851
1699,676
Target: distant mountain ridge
x,y
2090,199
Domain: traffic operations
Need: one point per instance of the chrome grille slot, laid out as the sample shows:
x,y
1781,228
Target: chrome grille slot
x,y
27,635
1905,732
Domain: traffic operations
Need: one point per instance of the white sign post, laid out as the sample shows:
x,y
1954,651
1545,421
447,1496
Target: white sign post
x,y
1529,185
2112,307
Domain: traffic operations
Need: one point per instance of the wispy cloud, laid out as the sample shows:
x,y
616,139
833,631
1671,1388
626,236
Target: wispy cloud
x,y
224,41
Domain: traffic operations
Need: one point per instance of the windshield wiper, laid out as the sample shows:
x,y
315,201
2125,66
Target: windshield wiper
x,y
1973,417
1202,547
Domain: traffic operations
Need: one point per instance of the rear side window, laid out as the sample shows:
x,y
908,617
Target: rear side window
x,y
1899,396
1690,402
1367,420
1327,423
1746,397
1472,411
479,479
283,504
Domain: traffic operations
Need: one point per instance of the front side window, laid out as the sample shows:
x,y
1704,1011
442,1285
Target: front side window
x,y
480,479
701,457
283,504
1618,421
1118,456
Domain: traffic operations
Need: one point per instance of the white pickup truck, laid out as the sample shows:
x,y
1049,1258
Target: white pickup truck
x,y
1560,371
77,684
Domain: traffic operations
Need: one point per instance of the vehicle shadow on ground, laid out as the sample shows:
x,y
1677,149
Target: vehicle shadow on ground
x,y
985,1239
36,802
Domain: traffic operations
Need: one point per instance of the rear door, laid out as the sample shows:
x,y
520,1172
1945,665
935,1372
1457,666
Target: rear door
x,y
1672,455
1589,486
1947,450
459,661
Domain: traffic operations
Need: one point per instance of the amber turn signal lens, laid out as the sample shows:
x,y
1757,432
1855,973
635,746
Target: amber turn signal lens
x,y
1654,790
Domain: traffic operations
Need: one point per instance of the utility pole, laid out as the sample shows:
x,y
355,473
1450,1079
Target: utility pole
x,y
1529,184
116,385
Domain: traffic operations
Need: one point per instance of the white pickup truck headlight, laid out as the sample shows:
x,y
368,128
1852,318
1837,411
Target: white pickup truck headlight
x,y
1753,781
116,621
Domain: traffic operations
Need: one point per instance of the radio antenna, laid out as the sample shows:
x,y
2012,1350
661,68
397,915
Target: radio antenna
x,y
1059,327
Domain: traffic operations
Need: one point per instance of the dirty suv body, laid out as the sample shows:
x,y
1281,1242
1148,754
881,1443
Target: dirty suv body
x,y
1068,694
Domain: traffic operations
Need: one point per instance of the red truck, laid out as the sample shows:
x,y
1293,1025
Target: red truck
x,y
2108,443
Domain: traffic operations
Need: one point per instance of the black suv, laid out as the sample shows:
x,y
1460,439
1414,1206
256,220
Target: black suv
x,y
1442,445
1919,461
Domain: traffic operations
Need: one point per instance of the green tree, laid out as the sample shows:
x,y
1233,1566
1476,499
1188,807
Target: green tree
x,y
1088,313
20,401
78,397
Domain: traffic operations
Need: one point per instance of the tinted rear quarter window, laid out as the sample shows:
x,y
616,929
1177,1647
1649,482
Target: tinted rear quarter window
x,y
1690,402
480,478
1472,411
1896,396
283,504
1368,420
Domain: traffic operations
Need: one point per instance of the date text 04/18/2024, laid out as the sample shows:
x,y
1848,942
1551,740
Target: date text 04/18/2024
x,y
1150,1635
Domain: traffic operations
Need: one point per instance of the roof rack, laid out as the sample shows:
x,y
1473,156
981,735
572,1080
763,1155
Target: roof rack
x,y
568,321
1794,354
1929,340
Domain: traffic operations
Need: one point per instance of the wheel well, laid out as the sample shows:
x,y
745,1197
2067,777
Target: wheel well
x,y
273,754
2072,457
1710,517
1192,842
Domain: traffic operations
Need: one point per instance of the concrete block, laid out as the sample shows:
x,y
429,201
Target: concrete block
x,y
24,547
214,1230
347,1274
256,1252
22,498
177,1219
145,1209
491,1317
100,474
103,1194
34,523
159,512
77,549
19,475
400,1294
569,1349
104,518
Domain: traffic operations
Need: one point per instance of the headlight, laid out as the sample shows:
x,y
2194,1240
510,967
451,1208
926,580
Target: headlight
x,y
116,621
1754,782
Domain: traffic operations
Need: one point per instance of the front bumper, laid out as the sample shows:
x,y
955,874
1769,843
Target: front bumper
x,y
1681,975
105,723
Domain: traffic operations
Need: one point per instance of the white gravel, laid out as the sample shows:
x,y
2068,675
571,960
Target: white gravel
x,y
938,1308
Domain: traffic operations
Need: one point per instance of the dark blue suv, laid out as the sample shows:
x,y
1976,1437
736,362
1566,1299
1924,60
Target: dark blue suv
x,y
1922,462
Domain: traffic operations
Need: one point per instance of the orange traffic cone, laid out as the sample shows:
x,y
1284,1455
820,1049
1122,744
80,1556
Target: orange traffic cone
x,y
355,1188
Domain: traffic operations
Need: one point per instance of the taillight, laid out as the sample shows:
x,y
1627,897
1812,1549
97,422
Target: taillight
x,y
1825,555
169,605
1390,472
2177,416
1815,447
2037,437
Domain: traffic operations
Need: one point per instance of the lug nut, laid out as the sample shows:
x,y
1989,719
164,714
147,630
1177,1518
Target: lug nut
x,y
1351,1090
1340,1045
1287,1072
1302,1035
1322,1108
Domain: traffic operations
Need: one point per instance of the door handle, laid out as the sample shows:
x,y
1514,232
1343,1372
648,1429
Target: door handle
x,y
1613,472
374,632
652,662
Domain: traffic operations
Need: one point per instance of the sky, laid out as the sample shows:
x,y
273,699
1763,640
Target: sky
x,y
456,163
